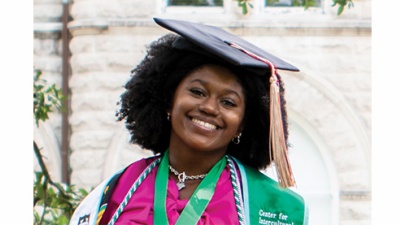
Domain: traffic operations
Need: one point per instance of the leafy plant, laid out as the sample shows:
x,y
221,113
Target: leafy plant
x,y
244,4
342,4
44,98
308,3
53,202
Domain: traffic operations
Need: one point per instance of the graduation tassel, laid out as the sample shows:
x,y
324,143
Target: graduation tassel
x,y
277,143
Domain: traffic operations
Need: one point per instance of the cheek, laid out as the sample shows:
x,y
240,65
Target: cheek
x,y
236,119
180,106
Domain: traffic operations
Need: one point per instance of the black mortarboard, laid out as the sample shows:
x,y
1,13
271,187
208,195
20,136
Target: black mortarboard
x,y
216,42
213,40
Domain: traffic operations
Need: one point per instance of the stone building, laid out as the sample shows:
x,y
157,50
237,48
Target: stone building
x,y
329,102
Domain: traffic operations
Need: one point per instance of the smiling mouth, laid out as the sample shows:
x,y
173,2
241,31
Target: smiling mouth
x,y
204,124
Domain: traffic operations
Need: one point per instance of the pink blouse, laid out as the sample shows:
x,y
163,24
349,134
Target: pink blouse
x,y
140,209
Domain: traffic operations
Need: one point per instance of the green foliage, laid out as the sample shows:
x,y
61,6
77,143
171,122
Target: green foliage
x,y
244,4
342,4
54,203
309,3
44,98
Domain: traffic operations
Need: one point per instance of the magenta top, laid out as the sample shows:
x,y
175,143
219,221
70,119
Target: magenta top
x,y
140,209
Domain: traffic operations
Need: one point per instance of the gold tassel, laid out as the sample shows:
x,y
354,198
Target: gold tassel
x,y
277,143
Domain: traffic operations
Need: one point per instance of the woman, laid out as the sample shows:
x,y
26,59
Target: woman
x,y
210,106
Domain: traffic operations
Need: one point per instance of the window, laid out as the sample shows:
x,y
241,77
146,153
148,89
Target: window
x,y
211,8
293,3
195,3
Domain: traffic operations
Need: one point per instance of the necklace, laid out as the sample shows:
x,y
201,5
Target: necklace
x,y
182,177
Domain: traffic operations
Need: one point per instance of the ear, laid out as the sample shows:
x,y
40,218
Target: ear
x,y
168,109
241,126
239,131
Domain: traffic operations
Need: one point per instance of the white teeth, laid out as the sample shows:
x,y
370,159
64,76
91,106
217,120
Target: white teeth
x,y
204,124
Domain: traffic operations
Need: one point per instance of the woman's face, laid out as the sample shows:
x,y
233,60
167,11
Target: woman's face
x,y
207,109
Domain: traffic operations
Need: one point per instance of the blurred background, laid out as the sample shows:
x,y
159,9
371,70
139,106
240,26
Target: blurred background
x,y
88,48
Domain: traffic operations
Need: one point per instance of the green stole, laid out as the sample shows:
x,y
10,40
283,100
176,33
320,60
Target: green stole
x,y
267,203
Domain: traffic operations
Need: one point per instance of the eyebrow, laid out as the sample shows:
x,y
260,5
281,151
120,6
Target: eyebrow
x,y
228,90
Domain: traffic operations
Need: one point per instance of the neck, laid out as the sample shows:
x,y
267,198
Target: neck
x,y
193,162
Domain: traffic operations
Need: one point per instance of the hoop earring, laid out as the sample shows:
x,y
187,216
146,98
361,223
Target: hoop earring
x,y
236,140
168,116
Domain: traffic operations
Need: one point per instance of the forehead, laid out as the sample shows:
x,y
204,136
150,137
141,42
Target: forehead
x,y
216,75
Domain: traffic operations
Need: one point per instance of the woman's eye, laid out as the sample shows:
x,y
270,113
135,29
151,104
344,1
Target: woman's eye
x,y
229,103
197,92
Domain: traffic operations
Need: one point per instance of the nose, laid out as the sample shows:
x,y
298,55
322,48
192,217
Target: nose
x,y
209,106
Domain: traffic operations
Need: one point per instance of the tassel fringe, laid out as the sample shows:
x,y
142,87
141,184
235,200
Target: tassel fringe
x,y
277,143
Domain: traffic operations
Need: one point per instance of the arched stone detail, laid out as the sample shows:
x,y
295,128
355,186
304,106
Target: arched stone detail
x,y
121,153
45,138
314,170
324,108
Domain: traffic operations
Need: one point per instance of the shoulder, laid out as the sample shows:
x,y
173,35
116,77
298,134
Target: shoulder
x,y
262,183
269,202
92,204
124,179
137,167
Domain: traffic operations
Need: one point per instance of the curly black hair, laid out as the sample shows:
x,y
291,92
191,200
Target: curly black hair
x,y
150,91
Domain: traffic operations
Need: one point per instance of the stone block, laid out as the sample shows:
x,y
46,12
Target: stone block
x,y
116,43
87,9
48,12
88,159
86,178
46,47
94,102
355,179
92,120
93,82
48,63
102,62
355,210
90,140
81,10
82,44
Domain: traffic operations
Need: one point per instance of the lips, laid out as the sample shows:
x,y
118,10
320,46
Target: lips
x,y
204,124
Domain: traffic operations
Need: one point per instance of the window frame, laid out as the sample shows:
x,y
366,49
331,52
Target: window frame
x,y
292,9
230,8
196,9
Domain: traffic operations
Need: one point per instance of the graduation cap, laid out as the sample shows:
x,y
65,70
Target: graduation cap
x,y
213,40
216,42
